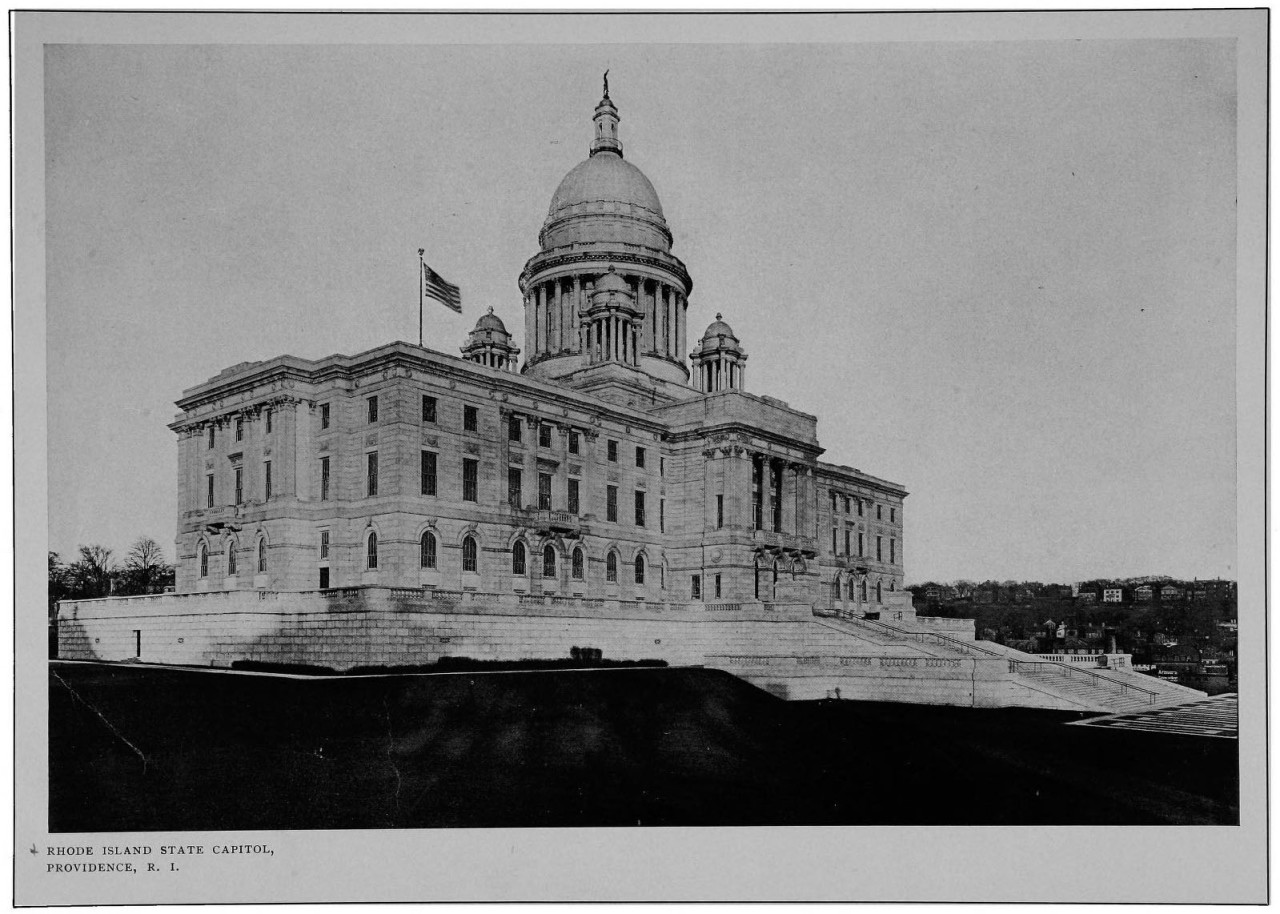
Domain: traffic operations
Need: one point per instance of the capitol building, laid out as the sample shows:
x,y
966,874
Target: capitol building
x,y
608,482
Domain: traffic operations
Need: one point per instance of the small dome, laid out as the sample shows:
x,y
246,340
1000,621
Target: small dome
x,y
492,322
717,329
612,282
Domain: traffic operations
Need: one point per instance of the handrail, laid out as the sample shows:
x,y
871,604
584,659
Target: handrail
x,y
893,631
1020,666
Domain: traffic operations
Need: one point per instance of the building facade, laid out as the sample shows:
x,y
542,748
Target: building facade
x,y
617,462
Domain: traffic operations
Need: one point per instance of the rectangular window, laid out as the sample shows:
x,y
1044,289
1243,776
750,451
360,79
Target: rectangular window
x,y
859,501
662,515
878,517
639,509
860,547
209,500
428,408
719,511
757,493
211,436
662,466
513,428
373,410
573,496
324,415
717,587
835,532
239,429
834,506
269,416
544,491
776,473
612,451
611,503
324,478
879,557
324,544
324,578
266,479
640,457
371,487
470,418
893,551
544,435
515,487
239,485
428,473
573,442
695,587
470,477
847,535
846,504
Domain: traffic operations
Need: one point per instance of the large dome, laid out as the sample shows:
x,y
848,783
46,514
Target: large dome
x,y
604,178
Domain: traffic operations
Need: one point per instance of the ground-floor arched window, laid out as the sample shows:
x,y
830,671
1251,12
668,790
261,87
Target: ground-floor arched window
x,y
204,560
262,556
836,588
639,569
611,567
879,598
469,560
518,558
579,564
428,550
371,551
549,562
231,558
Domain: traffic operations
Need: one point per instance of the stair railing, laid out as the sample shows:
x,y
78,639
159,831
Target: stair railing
x,y
1026,667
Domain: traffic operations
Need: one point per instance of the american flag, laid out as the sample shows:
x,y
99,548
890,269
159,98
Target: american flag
x,y
436,286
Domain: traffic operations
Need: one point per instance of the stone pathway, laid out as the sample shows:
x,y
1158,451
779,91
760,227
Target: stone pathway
x,y
1217,717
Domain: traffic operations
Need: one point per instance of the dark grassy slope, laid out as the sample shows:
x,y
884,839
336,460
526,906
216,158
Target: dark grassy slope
x,y
133,748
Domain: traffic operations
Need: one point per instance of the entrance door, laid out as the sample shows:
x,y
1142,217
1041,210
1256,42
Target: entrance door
x,y
324,578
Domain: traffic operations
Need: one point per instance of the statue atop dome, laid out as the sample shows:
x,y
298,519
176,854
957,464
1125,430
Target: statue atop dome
x,y
606,83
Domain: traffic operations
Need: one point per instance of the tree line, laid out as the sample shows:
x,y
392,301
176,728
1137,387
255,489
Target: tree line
x,y
97,573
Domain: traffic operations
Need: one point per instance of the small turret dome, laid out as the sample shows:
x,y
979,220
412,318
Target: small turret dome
x,y
492,323
719,335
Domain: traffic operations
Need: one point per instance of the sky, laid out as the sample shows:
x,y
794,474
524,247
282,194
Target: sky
x,y
1001,273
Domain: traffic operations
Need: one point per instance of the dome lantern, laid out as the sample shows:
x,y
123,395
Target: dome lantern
x,y
606,119
719,362
490,344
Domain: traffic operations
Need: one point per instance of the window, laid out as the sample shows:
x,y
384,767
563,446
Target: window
x,y
324,478
373,410
428,408
573,496
324,415
428,473
835,532
719,511
879,543
834,506
518,559
470,472
846,504
427,549
639,569
611,568
573,442
513,428
613,452
893,551
757,493
775,472
211,436
579,564
544,491
239,429
611,503
847,536
266,479
544,435
859,502
893,515
231,558
878,509
695,587
268,415
662,515
209,498
239,485
878,594
717,587
863,589
639,509
204,560
662,466
262,556
549,562
640,457
515,484
469,560
861,550
324,544
470,418
836,588
371,551
371,474
324,578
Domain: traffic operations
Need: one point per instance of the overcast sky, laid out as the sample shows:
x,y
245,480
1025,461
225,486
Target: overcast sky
x,y
1000,273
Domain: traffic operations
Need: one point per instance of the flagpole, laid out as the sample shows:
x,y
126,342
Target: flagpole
x,y
422,266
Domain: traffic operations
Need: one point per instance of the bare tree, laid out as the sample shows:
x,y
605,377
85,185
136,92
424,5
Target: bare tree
x,y
90,576
145,570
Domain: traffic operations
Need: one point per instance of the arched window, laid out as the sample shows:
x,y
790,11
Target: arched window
x,y
371,555
836,588
518,558
864,590
231,558
611,568
639,569
775,571
878,595
579,564
204,560
262,556
469,562
549,562
757,577
892,586
428,545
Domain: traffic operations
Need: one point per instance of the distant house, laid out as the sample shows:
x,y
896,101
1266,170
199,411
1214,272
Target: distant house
x,y
1142,593
1170,593
1113,595
1088,596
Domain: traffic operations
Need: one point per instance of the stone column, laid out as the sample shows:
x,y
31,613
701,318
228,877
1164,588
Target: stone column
x,y
540,328
577,314
682,330
529,322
